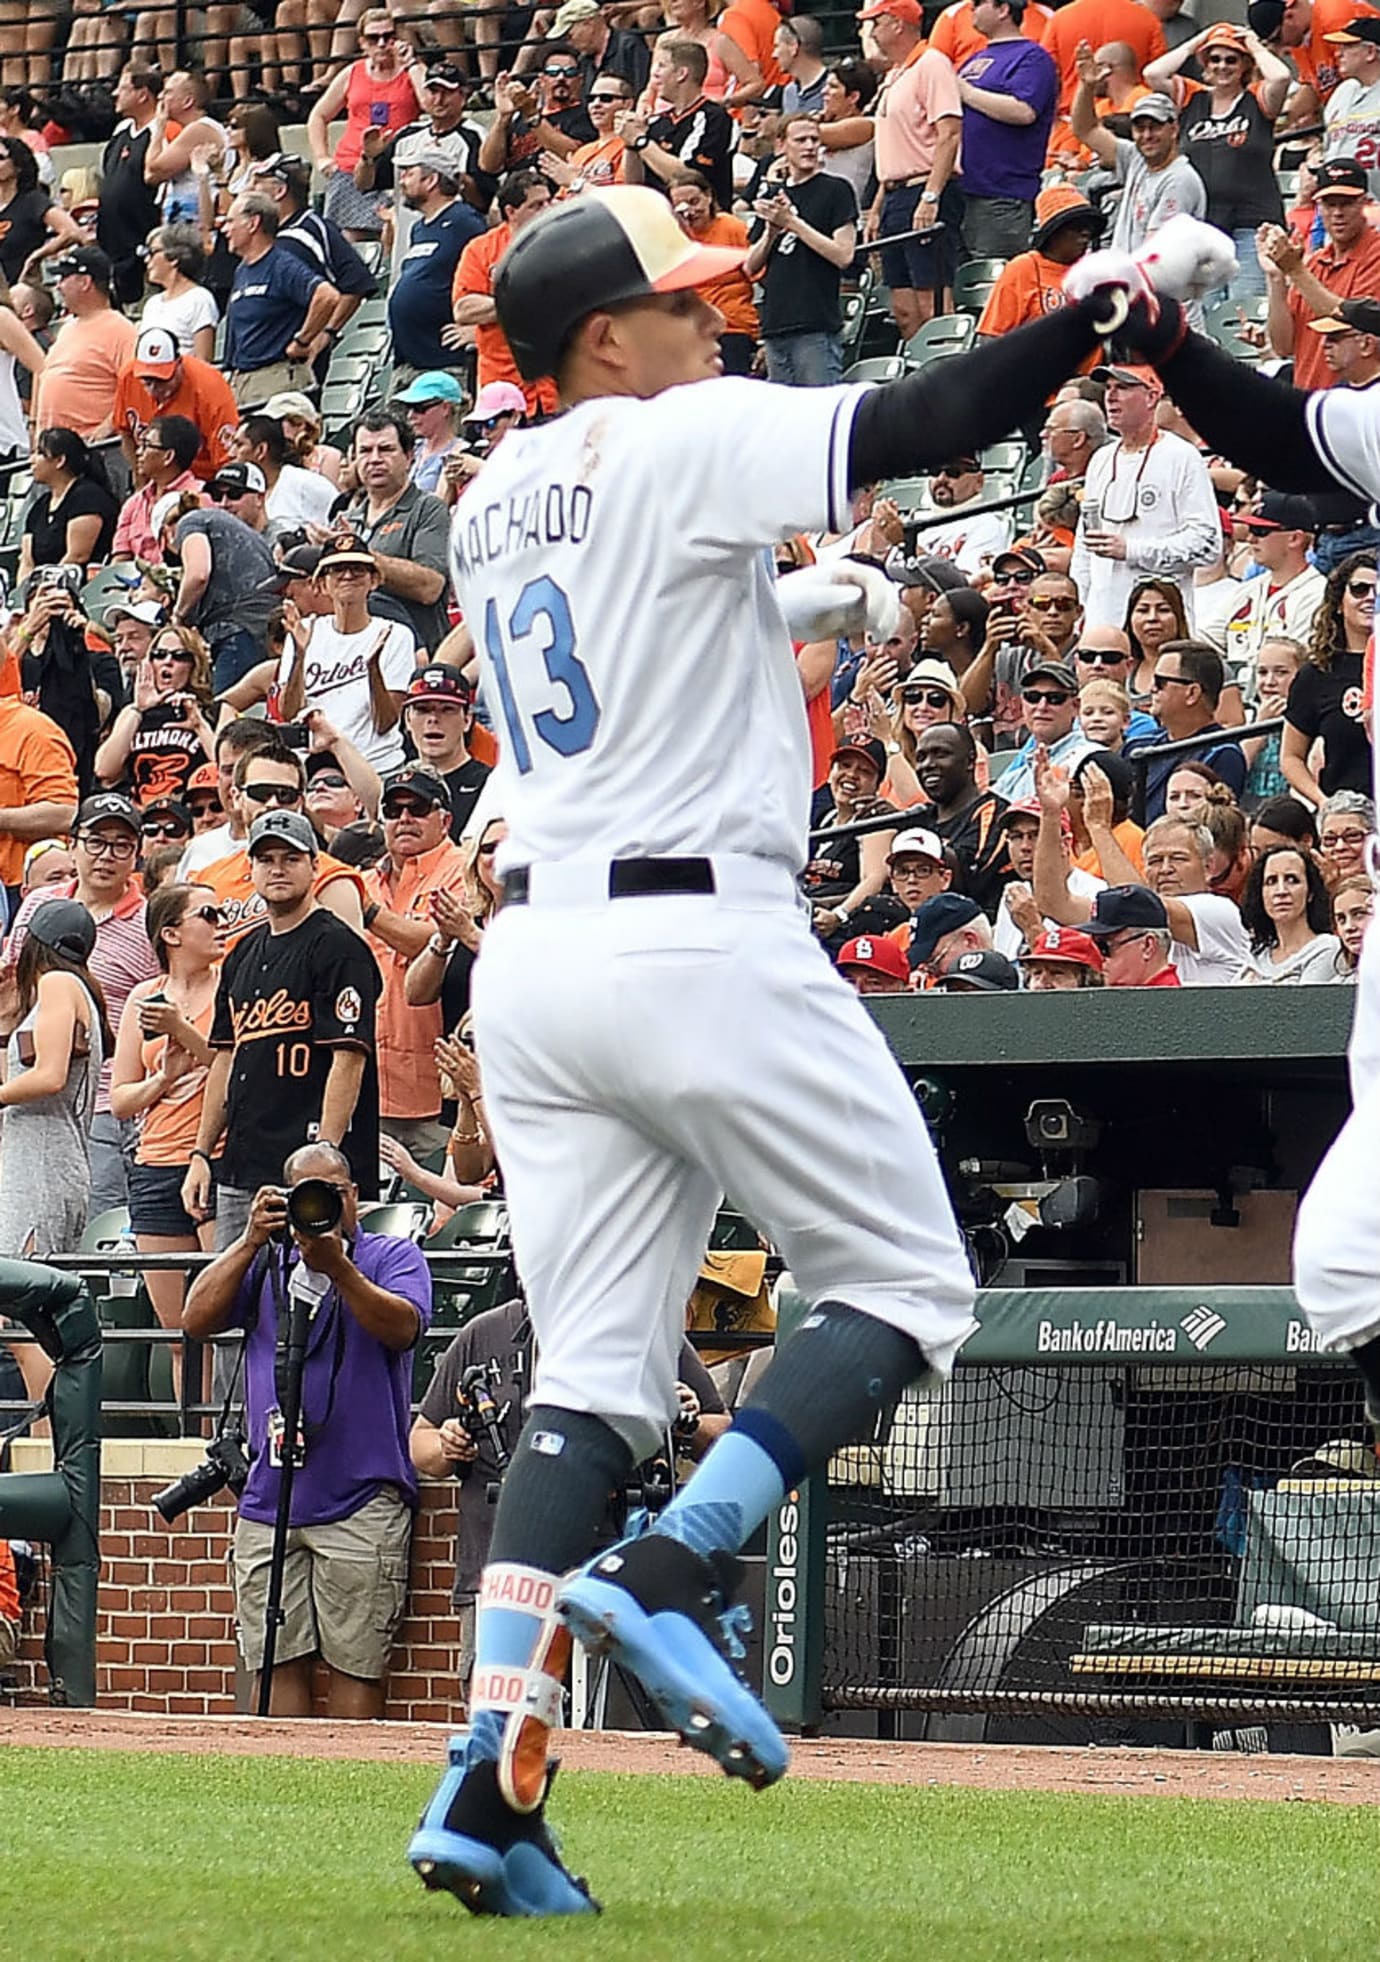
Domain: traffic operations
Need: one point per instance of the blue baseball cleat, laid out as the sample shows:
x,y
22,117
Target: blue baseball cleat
x,y
493,1859
661,1612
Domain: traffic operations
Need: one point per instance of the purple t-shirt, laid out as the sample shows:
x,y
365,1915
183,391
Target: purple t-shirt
x,y
361,1442
1005,160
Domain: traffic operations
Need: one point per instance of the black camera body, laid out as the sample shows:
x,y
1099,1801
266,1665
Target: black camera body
x,y
480,1412
226,1463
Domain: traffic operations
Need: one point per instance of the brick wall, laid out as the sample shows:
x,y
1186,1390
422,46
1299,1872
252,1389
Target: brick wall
x,y
166,1611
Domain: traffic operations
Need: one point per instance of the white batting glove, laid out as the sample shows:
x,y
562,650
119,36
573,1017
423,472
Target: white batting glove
x,y
825,602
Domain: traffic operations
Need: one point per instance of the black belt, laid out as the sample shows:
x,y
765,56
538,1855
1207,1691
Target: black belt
x,y
629,878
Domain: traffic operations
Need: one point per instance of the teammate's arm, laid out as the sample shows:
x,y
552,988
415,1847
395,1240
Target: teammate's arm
x,y
341,1094
909,426
1261,424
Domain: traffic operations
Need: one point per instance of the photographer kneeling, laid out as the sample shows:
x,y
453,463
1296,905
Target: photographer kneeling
x,y
353,1490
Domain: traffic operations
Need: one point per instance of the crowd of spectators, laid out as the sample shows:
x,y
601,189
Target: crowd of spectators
x,y
247,819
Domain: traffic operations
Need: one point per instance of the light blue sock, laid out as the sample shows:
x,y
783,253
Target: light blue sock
x,y
740,1482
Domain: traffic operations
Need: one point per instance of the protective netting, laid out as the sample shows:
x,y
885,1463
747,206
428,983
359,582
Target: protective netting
x,y
1181,1541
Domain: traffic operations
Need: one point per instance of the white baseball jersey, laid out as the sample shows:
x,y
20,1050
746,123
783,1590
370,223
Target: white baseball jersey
x,y
614,568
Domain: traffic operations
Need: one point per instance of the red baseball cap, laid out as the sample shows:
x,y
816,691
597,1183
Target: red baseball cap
x,y
877,956
1065,944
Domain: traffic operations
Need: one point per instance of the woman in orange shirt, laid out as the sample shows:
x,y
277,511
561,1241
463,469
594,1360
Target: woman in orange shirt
x,y
701,219
162,1056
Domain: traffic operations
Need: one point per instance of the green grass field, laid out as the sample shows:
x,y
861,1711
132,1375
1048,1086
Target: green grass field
x,y
218,1859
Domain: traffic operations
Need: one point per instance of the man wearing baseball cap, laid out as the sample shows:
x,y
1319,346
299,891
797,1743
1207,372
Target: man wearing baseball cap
x,y
77,386
1148,502
158,382
919,869
1158,182
981,971
919,121
603,50
1353,110
1307,287
1061,959
437,715
226,565
441,126
1131,925
1282,529
419,307
875,967
1018,917
1351,340
1303,29
421,862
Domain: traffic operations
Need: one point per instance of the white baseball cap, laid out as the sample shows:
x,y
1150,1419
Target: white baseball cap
x,y
917,844
155,353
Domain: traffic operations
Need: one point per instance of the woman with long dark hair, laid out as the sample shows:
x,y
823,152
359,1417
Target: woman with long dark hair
x,y
72,520
1154,614
1288,916
161,1063
32,224
1325,695
54,1013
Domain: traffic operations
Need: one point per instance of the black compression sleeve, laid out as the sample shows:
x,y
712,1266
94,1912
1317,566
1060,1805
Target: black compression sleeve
x,y
1258,423
960,404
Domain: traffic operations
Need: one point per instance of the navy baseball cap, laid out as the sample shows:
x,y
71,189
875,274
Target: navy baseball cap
x,y
867,746
1342,174
982,973
945,913
1117,908
283,828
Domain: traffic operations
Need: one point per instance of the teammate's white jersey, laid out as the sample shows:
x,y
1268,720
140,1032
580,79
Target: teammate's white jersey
x,y
1345,426
614,568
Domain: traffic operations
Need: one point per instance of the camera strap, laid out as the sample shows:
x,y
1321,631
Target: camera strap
x,y
283,1316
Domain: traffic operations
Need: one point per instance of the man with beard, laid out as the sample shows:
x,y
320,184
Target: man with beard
x,y
971,542
419,304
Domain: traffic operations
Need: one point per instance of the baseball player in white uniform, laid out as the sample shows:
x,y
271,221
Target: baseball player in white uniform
x,y
655,1022
1297,442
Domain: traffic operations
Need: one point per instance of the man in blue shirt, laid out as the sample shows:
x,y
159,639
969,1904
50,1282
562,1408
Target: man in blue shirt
x,y
278,310
1009,91
419,306
314,239
1186,688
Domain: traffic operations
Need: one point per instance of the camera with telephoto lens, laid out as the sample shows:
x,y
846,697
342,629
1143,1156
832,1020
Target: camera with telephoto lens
x,y
480,1412
226,1463
314,1207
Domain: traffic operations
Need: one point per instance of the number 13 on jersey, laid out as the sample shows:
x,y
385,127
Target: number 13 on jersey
x,y
541,617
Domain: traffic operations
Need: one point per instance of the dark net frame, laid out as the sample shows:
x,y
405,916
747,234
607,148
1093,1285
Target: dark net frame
x,y
1064,1549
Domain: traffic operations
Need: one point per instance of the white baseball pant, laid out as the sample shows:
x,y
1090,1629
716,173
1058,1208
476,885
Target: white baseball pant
x,y
1337,1237
643,1056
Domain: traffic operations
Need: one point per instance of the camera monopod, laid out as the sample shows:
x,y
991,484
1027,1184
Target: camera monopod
x,y
297,1308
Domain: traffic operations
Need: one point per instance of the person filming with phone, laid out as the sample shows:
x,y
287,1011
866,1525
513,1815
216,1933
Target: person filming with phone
x,y
365,1299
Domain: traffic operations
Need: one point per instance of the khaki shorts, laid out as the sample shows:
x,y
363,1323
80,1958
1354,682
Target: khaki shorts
x,y
344,1587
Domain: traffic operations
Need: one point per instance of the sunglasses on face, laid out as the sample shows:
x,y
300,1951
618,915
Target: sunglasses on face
x,y
934,698
604,96
1055,696
1098,657
401,807
163,828
379,40
177,652
211,914
487,851
1361,588
560,74
1158,681
965,468
200,806
271,793
1053,606
1022,576
328,780
487,424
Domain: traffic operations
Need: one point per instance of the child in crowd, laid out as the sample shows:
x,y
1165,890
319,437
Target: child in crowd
x,y
1104,713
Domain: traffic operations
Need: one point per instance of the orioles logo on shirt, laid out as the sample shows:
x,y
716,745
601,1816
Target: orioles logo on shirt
x,y
1354,703
270,1015
348,1006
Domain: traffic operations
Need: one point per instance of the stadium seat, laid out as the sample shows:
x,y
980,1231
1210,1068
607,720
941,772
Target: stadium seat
x,y
908,493
948,333
369,338
401,1220
1008,457
1288,182
880,368
342,404
463,1292
106,586
973,282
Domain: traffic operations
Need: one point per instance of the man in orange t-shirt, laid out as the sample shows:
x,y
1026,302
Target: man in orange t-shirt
x,y
1346,266
956,35
601,162
38,786
267,780
522,196
161,382
1097,22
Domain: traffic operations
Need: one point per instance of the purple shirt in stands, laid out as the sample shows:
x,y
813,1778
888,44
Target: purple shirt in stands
x,y
361,1442
1005,160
